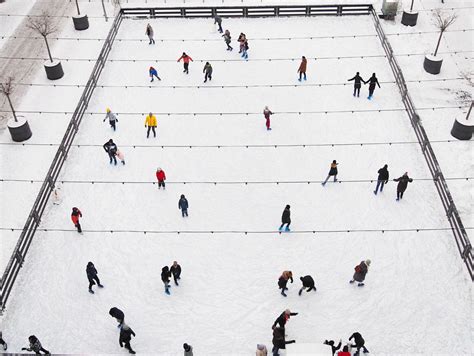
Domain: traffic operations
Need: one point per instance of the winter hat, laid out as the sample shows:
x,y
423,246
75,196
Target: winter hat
x,y
405,174
287,207
334,161
385,166
367,262
266,107
108,110
261,347
158,169
186,347
287,311
182,195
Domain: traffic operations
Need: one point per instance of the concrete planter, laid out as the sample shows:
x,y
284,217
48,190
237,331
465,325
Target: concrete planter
x,y
81,22
432,64
19,130
409,18
54,69
462,131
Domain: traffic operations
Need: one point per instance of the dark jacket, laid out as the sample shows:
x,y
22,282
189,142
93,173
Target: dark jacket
x,y
125,335
278,340
357,80
363,269
207,69
117,313
91,271
165,274
372,81
217,20
35,344
110,147
183,204
383,174
175,271
333,348
358,339
308,281
285,217
333,169
282,318
403,182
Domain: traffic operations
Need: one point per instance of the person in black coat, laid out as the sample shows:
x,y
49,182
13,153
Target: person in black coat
x,y
3,342
402,184
117,314
283,318
279,341
331,343
111,148
332,172
359,343
360,272
308,282
285,219
165,277
183,205
357,83
92,276
381,179
35,346
175,270
125,337
372,82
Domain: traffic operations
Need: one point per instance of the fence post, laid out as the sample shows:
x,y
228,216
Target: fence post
x,y
339,10
246,11
467,250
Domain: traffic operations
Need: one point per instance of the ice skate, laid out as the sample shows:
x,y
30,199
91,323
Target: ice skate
x,y
91,291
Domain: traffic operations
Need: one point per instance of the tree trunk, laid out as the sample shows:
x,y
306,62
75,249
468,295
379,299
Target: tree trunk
x,y
49,51
11,107
439,41
105,12
77,6
411,7
467,116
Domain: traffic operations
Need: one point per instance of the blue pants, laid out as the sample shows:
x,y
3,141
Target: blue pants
x,y
380,183
303,74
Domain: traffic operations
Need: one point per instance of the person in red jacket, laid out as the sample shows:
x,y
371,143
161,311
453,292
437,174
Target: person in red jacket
x,y
76,213
160,175
345,351
186,60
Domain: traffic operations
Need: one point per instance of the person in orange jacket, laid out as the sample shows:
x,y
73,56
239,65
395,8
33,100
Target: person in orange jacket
x,y
186,59
161,176
76,213
302,68
150,121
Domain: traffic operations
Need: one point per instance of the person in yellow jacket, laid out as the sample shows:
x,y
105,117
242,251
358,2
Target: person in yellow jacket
x,y
150,121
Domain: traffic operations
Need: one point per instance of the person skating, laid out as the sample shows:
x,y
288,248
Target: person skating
x,y
186,59
150,33
227,39
183,205
302,68
331,343
112,119
279,342
382,179
207,70
35,346
188,350
261,350
285,219
218,21
121,156
332,172
267,113
161,176
75,215
359,343
308,282
360,272
150,122
283,318
402,184
175,271
165,277
372,82
111,148
125,337
91,272
242,38
56,196
357,83
245,50
117,314
345,351
153,73
3,342
283,281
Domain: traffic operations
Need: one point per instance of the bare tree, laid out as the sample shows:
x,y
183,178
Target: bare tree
x,y
6,88
442,21
44,26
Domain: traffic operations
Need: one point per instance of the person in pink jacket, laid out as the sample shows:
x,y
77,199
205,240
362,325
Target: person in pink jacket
x,y
186,59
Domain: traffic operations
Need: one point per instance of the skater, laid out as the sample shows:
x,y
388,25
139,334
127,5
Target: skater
x,y
360,271
308,282
117,314
125,337
278,341
402,184
153,73
149,32
188,350
245,50
261,350
357,83
161,176
186,60
227,39
183,205
332,172
207,70
111,148
218,21
283,318
92,277
56,197
285,219
381,179
121,156
165,277
35,346
283,281
345,351
302,68
372,81
150,121
333,348
3,343
175,270
112,119
267,113
75,215
242,38
359,343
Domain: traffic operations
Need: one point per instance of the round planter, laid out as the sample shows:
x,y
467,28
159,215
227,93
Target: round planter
x,y
80,22
409,18
19,130
461,131
432,64
54,69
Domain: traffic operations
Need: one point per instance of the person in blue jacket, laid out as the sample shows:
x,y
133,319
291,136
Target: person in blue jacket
x,y
153,73
183,205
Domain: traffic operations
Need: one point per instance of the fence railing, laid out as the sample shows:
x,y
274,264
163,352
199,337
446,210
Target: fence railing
x,y
248,11
457,227
34,218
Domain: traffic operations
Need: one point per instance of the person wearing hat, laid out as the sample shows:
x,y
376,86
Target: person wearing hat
x,y
188,350
91,272
308,282
360,271
283,318
161,176
76,213
402,184
332,172
286,219
283,281
207,70
112,118
150,121
125,337
331,343
117,314
261,350
359,343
